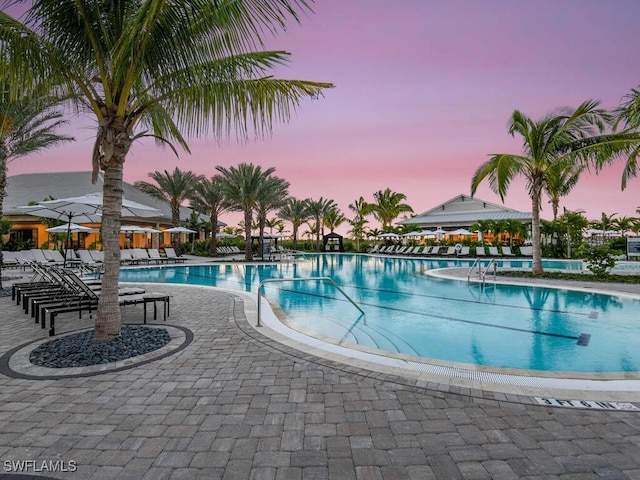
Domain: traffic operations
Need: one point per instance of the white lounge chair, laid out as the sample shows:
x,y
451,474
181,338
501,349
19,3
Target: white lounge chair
x,y
493,251
506,251
526,250
450,251
464,252
172,256
480,251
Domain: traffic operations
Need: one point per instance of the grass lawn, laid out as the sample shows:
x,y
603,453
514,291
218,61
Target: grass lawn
x,y
583,277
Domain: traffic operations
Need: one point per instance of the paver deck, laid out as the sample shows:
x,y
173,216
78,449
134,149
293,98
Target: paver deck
x,y
237,405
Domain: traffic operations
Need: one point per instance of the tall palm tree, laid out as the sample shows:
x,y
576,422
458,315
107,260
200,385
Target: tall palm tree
x,y
564,137
26,126
274,222
242,186
484,227
207,197
562,179
317,210
297,212
358,230
162,69
333,219
273,195
174,188
388,206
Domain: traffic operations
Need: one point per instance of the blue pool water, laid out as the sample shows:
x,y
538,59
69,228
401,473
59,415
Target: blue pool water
x,y
410,312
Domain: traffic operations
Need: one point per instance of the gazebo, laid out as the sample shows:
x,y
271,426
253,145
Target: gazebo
x,y
332,242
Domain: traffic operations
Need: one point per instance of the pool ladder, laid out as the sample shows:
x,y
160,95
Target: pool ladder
x,y
482,274
303,279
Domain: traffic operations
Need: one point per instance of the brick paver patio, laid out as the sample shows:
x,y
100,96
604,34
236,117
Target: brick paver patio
x,y
233,405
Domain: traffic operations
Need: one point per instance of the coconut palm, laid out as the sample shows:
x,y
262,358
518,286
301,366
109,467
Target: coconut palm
x,y
174,188
297,212
628,114
242,186
564,137
317,210
388,206
207,197
358,230
26,126
333,219
560,183
484,227
162,69
276,223
273,195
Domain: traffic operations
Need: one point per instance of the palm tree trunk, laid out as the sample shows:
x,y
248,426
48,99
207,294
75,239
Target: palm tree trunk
x,y
108,321
3,192
248,254
535,233
213,245
175,222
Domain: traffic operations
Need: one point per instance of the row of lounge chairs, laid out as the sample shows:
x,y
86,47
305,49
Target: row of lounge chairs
x,y
53,290
455,251
130,256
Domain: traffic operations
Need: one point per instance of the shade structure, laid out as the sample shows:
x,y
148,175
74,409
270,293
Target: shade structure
x,y
460,231
388,235
71,228
179,230
132,229
85,209
440,231
224,235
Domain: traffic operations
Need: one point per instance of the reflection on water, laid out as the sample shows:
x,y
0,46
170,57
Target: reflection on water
x,y
410,312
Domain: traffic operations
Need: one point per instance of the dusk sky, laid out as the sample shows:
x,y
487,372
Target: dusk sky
x,y
423,94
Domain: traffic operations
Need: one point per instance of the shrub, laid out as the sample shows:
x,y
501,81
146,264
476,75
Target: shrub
x,y
599,259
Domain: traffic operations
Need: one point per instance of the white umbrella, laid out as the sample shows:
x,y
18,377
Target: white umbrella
x,y
179,230
132,229
388,235
460,231
85,209
439,231
224,235
71,228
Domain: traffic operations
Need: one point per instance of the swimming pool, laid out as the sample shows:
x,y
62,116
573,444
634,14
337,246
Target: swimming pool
x,y
410,312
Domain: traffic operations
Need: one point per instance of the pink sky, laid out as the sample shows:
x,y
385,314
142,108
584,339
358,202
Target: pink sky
x,y
424,91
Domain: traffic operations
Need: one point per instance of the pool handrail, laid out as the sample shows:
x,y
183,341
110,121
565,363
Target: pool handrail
x,y
298,279
482,275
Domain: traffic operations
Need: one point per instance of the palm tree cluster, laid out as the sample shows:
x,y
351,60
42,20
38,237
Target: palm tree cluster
x,y
557,149
166,70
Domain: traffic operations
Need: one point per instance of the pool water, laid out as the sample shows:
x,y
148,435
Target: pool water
x,y
410,312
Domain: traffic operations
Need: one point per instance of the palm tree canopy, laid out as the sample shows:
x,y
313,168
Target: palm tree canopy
x,y
388,206
176,68
172,187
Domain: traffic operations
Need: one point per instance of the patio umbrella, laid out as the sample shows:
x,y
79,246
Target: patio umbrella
x,y
224,235
461,231
85,209
388,235
179,230
71,228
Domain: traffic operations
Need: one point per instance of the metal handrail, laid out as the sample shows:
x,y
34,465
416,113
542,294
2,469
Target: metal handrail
x,y
303,279
473,265
486,270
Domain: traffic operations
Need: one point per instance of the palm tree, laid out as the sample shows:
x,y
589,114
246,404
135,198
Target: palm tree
x,y
317,210
358,230
26,126
484,227
207,197
516,228
623,224
159,69
333,219
242,186
173,188
389,206
273,195
628,114
564,137
561,182
297,212
274,222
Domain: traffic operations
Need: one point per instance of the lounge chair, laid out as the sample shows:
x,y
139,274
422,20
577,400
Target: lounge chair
x,y
506,251
38,256
493,251
54,256
154,255
480,252
126,257
85,257
464,252
172,256
97,255
90,301
526,250
374,249
140,255
450,251
10,260
435,250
